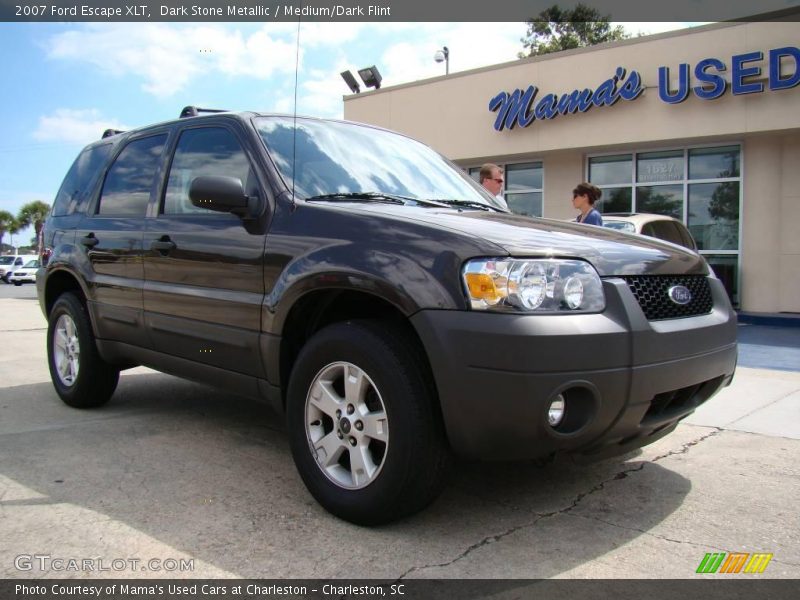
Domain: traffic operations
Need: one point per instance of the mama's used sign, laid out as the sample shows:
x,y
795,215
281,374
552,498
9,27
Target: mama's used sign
x,y
522,108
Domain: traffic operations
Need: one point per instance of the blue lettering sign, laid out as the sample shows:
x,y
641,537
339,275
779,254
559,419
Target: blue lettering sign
x,y
739,72
683,85
776,82
515,108
718,86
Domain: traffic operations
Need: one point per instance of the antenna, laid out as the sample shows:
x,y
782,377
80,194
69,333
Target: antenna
x,y
294,130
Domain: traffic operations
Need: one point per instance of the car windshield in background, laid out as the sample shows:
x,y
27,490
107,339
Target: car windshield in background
x,y
31,264
335,159
620,225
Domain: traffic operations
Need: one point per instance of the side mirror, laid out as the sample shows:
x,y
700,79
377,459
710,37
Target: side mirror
x,y
223,194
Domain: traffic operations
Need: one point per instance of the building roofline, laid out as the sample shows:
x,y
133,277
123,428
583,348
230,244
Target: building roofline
x,y
789,14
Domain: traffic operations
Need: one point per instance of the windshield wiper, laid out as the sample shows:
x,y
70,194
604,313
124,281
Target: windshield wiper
x,y
468,204
375,197
360,196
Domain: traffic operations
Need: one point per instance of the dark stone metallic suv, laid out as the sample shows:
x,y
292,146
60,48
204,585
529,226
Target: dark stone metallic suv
x,y
367,287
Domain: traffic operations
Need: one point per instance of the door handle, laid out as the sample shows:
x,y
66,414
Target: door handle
x,y
90,241
163,245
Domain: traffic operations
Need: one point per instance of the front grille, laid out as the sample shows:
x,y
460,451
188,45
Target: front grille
x,y
651,292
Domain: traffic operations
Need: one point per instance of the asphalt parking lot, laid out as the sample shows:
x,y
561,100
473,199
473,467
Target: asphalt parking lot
x,y
171,470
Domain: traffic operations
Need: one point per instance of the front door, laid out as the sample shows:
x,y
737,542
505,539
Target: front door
x,y
203,270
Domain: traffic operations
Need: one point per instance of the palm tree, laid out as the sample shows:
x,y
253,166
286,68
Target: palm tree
x,y
7,222
34,213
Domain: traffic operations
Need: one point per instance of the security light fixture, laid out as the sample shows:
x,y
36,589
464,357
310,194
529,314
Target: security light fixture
x,y
351,81
443,55
370,76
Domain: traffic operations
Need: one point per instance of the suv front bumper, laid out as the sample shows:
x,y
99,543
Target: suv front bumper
x,y
626,381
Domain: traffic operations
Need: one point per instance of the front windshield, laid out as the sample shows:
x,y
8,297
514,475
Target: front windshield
x,y
344,158
6,260
31,264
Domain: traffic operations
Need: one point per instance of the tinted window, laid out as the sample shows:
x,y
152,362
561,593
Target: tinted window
x,y
203,152
80,178
660,199
665,230
604,170
714,215
614,200
714,163
130,179
659,166
528,203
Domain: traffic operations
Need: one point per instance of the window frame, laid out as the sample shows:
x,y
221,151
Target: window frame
x,y
93,206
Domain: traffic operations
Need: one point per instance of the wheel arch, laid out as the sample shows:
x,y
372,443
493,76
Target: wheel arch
x,y
317,309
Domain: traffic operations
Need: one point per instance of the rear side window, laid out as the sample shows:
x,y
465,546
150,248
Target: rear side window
x,y
664,230
203,152
130,179
80,179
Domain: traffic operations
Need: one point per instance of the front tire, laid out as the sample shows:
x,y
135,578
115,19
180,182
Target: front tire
x,y
81,377
364,426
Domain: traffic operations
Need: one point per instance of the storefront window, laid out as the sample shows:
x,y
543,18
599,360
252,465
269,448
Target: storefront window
x,y
526,203
660,199
615,200
699,186
608,170
523,187
726,268
714,163
653,167
714,215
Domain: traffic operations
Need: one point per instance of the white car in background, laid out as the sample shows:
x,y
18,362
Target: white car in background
x,y
12,263
657,226
24,274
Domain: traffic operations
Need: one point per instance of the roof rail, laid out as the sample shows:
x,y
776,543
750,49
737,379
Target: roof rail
x,y
110,132
193,111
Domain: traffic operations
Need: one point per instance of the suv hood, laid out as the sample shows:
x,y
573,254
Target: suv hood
x,y
610,252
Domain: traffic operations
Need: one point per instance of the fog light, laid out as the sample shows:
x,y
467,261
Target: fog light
x,y
555,414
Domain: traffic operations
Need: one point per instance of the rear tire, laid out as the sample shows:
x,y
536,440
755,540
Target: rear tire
x,y
81,377
383,455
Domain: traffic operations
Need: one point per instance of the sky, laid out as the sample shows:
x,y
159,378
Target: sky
x,y
65,83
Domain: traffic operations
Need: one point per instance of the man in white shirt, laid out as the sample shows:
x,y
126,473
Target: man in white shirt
x,y
491,177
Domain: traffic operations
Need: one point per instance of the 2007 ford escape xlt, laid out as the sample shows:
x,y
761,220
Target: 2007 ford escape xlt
x,y
368,288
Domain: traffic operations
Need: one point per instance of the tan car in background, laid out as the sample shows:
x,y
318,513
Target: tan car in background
x,y
657,226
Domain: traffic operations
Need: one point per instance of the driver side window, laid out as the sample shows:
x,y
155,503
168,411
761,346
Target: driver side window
x,y
203,152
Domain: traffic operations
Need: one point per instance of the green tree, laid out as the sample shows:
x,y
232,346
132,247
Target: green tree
x,y
7,222
33,214
557,29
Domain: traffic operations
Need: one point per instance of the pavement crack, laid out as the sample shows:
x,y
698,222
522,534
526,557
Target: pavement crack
x,y
491,539
688,445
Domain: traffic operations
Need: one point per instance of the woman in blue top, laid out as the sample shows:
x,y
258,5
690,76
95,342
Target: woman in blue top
x,y
583,198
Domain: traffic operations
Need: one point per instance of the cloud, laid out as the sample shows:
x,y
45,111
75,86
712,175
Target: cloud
x,y
74,126
167,57
471,45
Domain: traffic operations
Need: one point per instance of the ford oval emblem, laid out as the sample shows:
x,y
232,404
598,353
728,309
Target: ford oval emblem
x,y
679,294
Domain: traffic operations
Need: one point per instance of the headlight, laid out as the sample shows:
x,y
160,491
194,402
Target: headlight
x,y
533,285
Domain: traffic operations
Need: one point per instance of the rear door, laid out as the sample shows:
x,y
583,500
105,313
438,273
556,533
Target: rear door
x,y
203,269
110,235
